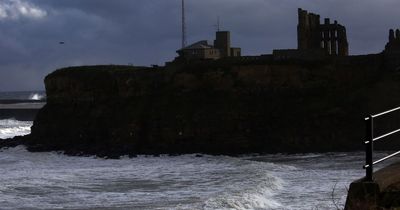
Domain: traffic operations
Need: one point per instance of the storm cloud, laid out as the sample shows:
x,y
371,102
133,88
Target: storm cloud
x,y
145,32
14,9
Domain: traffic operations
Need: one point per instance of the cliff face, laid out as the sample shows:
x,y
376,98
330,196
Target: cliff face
x,y
214,108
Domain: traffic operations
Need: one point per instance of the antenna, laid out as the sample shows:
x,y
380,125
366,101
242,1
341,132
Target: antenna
x,y
218,24
183,25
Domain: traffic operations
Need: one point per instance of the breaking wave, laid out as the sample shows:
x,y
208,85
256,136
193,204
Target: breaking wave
x,y
184,182
51,180
10,128
254,193
37,96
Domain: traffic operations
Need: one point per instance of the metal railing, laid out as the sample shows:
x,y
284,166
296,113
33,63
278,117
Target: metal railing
x,y
369,143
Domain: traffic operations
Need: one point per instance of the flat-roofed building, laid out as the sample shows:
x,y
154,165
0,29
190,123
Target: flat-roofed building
x,y
203,51
199,50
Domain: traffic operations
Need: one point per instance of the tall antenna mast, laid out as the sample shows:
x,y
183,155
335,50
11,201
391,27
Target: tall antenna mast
x,y
183,25
218,24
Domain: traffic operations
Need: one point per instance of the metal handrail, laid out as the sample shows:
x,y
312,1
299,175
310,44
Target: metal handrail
x,y
383,113
387,157
369,143
387,134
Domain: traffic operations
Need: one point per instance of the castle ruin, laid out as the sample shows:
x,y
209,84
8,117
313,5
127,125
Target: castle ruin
x,y
392,50
312,35
394,41
315,40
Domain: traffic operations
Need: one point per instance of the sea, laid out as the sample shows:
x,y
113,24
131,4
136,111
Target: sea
x,y
52,180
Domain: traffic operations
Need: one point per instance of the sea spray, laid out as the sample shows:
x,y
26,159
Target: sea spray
x,y
51,180
183,182
10,128
256,191
37,96
23,95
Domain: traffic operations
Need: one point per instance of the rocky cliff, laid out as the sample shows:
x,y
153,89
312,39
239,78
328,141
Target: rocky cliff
x,y
214,107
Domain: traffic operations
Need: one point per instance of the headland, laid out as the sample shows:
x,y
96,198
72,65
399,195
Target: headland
x,y
213,100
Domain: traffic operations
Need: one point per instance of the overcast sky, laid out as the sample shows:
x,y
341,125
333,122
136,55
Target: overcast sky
x,y
145,32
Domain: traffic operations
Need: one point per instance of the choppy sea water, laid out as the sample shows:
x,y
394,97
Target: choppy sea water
x,y
52,180
23,95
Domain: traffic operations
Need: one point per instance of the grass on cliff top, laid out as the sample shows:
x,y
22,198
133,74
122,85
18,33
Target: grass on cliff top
x,y
103,69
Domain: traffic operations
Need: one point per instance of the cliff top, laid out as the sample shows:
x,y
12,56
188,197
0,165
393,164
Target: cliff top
x,y
98,68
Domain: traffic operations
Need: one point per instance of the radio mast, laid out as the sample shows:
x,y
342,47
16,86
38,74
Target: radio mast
x,y
183,25
218,24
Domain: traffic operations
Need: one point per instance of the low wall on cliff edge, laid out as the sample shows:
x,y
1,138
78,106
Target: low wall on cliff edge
x,y
213,107
382,193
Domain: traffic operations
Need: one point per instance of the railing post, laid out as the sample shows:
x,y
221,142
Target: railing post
x,y
369,148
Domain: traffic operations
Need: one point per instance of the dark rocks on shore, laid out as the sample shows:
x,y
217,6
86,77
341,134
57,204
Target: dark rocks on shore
x,y
13,142
214,107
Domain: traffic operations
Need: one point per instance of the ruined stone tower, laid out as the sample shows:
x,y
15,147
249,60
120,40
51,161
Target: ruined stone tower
x,y
308,34
392,50
312,35
394,41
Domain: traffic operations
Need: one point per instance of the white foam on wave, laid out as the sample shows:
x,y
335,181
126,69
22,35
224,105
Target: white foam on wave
x,y
256,192
37,96
51,180
10,128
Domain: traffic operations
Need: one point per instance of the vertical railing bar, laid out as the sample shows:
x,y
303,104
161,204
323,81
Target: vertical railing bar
x,y
369,148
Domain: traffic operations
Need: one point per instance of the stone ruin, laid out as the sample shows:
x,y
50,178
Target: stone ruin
x,y
315,40
312,35
392,50
394,41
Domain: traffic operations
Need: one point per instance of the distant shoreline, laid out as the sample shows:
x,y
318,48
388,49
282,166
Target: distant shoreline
x,y
19,101
22,110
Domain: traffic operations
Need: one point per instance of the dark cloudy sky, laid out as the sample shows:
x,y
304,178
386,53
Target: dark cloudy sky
x,y
145,32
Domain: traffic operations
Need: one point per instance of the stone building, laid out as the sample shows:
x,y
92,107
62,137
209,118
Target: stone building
x,y
392,50
199,50
315,40
394,41
311,34
202,50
